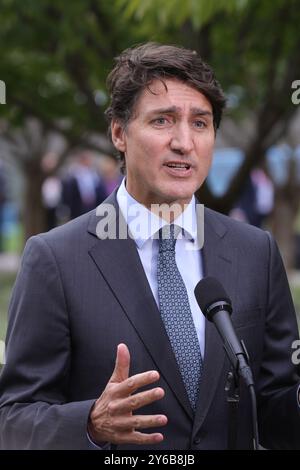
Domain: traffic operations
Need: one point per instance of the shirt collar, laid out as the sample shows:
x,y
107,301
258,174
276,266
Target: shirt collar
x,y
144,224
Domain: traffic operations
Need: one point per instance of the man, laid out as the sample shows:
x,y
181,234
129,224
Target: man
x,y
106,346
82,189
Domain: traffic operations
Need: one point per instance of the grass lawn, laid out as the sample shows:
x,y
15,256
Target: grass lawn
x,y
14,243
6,283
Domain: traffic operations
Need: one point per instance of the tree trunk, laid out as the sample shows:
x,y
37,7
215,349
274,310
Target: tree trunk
x,y
287,203
34,215
282,228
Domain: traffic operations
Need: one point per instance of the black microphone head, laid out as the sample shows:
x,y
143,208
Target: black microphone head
x,y
209,291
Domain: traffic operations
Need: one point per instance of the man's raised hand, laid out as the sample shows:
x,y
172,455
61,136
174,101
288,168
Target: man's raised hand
x,y
112,419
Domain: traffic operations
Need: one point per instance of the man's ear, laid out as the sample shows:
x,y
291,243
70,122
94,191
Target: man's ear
x,y
118,135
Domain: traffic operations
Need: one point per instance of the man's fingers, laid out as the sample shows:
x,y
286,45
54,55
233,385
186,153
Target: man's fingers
x,y
140,438
121,370
137,437
134,402
139,422
133,383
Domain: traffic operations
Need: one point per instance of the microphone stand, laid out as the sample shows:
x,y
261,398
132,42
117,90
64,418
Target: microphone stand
x,y
233,396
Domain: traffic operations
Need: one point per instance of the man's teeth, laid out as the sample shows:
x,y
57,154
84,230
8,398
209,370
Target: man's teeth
x,y
178,165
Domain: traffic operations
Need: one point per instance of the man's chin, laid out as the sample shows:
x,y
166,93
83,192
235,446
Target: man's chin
x,y
180,195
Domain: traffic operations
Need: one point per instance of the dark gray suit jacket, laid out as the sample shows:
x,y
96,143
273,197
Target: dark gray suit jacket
x,y
77,296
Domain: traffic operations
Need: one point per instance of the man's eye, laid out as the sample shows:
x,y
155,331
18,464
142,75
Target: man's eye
x,y
160,121
200,124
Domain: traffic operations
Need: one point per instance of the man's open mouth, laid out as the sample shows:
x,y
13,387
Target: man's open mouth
x,y
178,166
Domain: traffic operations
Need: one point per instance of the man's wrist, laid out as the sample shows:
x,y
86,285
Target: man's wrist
x,y
92,438
91,434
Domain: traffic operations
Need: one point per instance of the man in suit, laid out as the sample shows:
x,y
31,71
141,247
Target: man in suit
x,y
103,351
82,189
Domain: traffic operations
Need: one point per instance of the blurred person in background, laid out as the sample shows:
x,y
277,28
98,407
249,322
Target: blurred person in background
x,y
110,173
83,188
257,199
51,189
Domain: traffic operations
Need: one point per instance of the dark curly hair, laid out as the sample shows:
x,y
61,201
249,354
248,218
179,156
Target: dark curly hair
x,y
137,67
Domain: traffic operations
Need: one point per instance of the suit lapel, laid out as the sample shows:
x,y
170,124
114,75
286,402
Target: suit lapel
x,y
119,262
219,262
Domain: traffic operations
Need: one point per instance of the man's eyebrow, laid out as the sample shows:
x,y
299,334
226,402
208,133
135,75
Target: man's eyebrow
x,y
176,109
201,112
169,110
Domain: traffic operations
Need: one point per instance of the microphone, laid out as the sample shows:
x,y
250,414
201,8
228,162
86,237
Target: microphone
x,y
216,306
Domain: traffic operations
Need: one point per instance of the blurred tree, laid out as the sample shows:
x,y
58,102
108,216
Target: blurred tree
x,y
254,49
252,45
55,57
54,60
28,144
287,206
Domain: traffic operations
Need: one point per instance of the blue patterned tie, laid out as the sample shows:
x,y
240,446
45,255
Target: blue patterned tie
x,y
176,313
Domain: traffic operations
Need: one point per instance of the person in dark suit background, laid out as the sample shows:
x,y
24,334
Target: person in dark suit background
x,y
92,360
257,199
82,189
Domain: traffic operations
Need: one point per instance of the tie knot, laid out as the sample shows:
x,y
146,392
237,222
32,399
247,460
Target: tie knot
x,y
168,237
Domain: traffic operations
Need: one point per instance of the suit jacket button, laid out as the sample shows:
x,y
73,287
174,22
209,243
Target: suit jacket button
x,y
197,441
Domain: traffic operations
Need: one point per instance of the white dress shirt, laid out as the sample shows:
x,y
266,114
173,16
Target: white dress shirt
x,y
143,226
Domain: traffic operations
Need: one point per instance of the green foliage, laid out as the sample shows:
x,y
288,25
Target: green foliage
x,y
253,45
176,12
55,57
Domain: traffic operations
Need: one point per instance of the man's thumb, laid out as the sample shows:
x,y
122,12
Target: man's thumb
x,y
121,370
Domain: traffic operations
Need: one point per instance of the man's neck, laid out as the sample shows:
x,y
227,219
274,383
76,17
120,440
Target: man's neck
x,y
168,211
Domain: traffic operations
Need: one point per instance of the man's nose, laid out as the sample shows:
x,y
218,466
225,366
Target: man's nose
x,y
182,139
